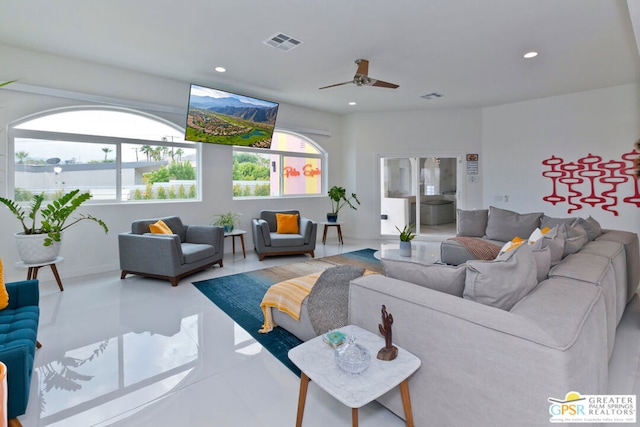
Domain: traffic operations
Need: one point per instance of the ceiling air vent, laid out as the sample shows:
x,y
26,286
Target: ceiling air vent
x,y
282,42
432,95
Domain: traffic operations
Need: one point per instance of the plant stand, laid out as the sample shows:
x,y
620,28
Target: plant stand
x,y
32,272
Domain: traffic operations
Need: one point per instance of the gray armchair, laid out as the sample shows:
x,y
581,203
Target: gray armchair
x,y
170,256
268,242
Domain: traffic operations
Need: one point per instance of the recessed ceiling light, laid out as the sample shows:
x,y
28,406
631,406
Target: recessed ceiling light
x,y
220,69
530,55
352,103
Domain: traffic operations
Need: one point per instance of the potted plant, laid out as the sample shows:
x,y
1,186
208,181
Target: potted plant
x,y
228,220
406,236
339,199
41,243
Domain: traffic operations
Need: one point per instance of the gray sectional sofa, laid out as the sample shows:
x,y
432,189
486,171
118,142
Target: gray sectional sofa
x,y
497,338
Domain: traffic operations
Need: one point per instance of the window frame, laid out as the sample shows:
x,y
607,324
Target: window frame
x,y
13,132
322,155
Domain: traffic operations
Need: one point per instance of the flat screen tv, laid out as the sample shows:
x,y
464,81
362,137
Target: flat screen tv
x,y
227,118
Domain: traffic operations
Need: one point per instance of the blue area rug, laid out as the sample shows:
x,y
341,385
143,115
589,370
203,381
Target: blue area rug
x,y
239,295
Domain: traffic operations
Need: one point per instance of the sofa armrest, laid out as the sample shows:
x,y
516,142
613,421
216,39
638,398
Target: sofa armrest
x,y
150,252
23,293
308,229
261,233
19,370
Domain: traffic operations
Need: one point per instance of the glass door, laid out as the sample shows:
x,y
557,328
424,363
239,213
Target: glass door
x,y
418,190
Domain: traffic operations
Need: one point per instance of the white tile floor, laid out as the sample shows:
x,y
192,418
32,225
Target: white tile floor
x,y
138,352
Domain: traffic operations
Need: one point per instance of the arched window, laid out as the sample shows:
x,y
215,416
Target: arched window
x,y
293,166
116,154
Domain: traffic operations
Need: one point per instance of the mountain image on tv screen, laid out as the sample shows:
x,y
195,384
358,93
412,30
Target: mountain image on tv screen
x,y
226,118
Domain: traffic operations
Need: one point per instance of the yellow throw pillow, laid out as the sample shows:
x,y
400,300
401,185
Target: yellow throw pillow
x,y
287,223
160,228
4,296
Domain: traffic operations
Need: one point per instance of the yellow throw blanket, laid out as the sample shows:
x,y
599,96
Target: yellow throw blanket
x,y
287,297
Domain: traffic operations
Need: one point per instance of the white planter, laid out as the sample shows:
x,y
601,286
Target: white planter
x,y
405,249
32,250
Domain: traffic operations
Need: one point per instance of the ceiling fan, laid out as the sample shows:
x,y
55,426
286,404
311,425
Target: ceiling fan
x,y
362,77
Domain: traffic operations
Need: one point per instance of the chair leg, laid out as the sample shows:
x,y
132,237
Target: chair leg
x,y
123,275
13,422
38,345
312,255
174,281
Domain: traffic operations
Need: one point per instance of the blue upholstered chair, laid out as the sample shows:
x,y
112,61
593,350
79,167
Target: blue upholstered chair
x,y
18,341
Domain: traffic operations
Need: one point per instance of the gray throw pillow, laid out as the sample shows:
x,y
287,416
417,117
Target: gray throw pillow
x,y
504,225
575,238
550,222
503,282
543,263
591,226
554,240
439,277
472,223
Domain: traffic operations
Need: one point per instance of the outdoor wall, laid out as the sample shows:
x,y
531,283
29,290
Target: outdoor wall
x,y
86,248
517,138
426,133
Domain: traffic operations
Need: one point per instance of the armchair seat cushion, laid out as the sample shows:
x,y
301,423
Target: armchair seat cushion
x,y
193,252
286,240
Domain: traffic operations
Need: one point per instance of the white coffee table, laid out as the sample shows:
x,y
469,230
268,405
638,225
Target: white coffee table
x,y
316,360
421,252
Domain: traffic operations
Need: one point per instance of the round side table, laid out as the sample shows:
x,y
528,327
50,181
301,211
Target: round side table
x,y
32,272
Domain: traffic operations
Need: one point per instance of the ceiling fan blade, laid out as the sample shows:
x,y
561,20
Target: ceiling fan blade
x,y
363,67
380,83
337,84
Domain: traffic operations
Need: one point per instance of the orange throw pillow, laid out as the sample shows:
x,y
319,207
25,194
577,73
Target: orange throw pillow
x,y
4,296
160,228
287,223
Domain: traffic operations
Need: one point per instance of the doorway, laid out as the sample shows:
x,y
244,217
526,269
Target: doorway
x,y
422,191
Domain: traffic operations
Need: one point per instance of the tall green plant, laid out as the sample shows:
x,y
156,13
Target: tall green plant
x,y
339,199
54,217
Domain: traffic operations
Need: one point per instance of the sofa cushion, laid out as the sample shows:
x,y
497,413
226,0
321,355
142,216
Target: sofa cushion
x,y
504,225
575,238
472,223
551,222
439,277
543,263
503,282
554,240
286,240
193,252
591,226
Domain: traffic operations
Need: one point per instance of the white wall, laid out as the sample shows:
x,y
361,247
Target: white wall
x,y
443,133
516,138
85,248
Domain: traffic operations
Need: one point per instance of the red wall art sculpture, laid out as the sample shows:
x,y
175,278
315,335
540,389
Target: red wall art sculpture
x,y
592,181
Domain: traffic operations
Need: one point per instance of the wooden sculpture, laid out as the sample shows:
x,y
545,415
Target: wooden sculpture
x,y
389,351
